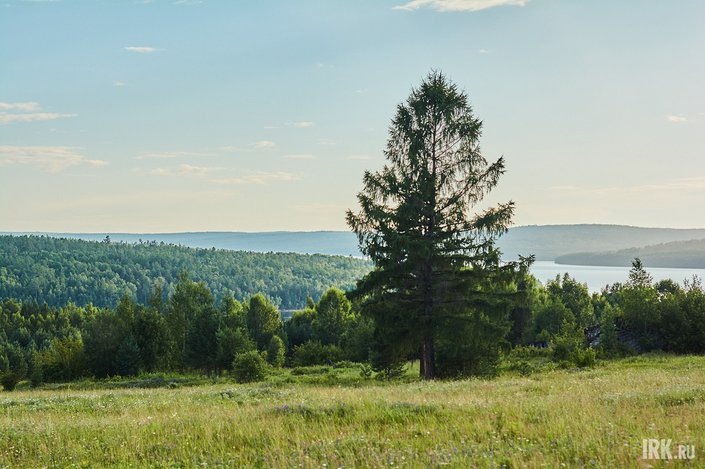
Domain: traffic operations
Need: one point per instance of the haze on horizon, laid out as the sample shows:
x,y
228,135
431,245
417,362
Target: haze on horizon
x,y
184,115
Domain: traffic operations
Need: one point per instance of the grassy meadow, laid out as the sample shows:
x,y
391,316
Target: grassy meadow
x,y
332,417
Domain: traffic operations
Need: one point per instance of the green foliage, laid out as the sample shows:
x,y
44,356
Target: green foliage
x,y
583,358
638,276
642,316
9,381
276,352
14,364
527,360
57,271
549,318
152,337
102,338
249,367
299,328
683,319
333,313
231,342
393,370
471,345
575,297
315,353
357,339
566,343
432,257
64,360
263,320
128,359
36,377
365,371
189,302
609,343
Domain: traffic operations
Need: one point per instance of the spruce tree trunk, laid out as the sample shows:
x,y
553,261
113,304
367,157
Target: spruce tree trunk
x,y
428,359
428,352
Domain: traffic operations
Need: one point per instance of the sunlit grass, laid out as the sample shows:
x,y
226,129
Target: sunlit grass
x,y
596,417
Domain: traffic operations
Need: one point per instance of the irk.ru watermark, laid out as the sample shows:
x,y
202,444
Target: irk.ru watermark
x,y
653,448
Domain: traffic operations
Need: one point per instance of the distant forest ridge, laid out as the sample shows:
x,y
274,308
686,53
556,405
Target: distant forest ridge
x,y
549,242
334,243
546,242
677,254
59,270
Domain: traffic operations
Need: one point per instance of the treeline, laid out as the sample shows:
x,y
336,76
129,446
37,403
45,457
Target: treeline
x,y
189,330
637,316
57,271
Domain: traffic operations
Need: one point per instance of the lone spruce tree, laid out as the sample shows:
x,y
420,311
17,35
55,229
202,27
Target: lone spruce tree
x,y
435,258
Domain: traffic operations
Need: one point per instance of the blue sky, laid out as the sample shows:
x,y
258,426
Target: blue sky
x,y
210,115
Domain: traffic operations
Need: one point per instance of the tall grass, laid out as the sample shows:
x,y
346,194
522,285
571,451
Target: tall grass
x,y
596,417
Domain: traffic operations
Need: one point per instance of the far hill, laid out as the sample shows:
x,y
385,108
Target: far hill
x,y
548,242
678,254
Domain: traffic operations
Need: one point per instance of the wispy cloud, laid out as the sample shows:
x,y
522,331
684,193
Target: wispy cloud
x,y
184,169
191,170
326,142
301,124
263,145
49,159
27,112
674,185
358,157
458,5
258,177
483,51
24,107
230,149
141,49
165,155
119,83
300,157
6,118
677,119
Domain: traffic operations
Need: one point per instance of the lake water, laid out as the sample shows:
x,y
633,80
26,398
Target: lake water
x,y
597,277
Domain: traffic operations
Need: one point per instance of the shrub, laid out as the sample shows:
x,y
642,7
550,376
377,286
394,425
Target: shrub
x,y
63,360
365,371
36,377
315,353
249,367
583,358
9,380
311,370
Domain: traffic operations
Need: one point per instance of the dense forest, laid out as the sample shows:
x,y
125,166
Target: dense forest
x,y
189,329
57,271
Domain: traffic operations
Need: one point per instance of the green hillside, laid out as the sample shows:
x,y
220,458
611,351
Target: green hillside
x,y
56,270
